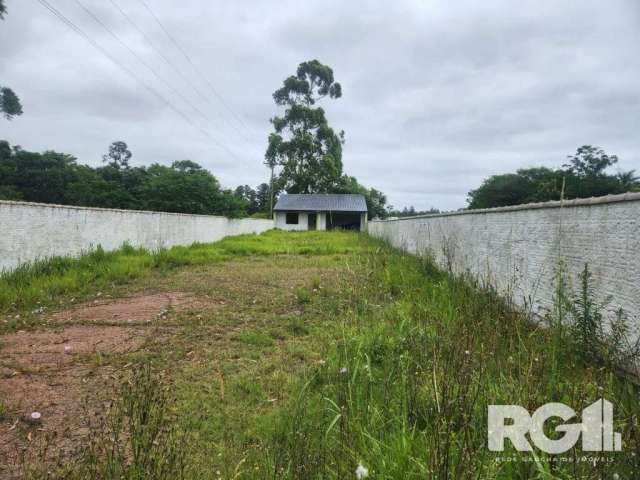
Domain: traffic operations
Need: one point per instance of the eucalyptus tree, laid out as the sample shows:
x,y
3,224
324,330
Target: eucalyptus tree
x,y
305,148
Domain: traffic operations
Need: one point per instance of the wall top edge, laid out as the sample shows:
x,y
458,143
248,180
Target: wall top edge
x,y
578,202
12,203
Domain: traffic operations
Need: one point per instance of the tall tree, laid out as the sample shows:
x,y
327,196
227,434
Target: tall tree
x,y
589,160
303,144
10,105
118,155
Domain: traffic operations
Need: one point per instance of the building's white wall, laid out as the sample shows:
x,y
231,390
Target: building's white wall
x,y
363,222
36,231
281,222
322,221
519,248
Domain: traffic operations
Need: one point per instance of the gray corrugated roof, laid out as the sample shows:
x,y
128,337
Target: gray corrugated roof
x,y
335,202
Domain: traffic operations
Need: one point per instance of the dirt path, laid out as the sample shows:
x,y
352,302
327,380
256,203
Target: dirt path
x,y
70,371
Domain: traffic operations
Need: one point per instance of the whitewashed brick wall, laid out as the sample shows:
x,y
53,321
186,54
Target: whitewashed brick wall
x,y
31,231
519,248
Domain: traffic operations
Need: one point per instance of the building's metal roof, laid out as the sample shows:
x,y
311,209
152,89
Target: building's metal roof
x,y
334,202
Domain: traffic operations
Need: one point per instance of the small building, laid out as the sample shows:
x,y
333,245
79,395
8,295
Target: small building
x,y
321,211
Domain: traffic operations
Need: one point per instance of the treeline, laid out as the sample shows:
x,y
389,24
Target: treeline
x,y
410,212
52,177
584,175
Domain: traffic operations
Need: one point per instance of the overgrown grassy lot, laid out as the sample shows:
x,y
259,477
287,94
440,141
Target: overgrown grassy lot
x,y
326,351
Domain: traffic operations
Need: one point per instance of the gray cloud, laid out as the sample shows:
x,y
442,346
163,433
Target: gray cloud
x,y
436,96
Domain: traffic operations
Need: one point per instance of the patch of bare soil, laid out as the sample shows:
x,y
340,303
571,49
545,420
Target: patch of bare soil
x,y
54,373
33,352
67,400
132,310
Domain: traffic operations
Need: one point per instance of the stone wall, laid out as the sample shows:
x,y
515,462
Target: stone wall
x,y
31,231
518,249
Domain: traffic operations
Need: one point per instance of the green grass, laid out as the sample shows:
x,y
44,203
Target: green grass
x,y
54,282
390,363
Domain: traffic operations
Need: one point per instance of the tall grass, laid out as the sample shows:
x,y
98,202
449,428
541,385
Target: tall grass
x,y
405,391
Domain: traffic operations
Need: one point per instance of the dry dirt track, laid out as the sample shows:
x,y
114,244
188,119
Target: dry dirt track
x,y
70,371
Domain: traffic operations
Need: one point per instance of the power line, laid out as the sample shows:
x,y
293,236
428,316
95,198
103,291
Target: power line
x,y
157,51
150,89
193,65
177,70
141,60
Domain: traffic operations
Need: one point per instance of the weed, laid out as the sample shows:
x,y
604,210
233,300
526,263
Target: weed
x,y
303,295
297,326
137,439
256,338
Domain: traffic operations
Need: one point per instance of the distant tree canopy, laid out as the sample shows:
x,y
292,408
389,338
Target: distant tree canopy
x,y
583,176
411,212
10,105
257,200
304,148
51,177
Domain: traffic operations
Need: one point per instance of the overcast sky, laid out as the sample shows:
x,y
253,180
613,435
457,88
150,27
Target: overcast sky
x,y
436,97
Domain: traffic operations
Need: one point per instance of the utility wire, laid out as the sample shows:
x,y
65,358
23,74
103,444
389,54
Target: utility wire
x,y
193,65
128,71
158,51
173,67
141,60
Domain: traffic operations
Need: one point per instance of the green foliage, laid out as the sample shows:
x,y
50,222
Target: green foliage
x,y
303,144
405,387
304,147
590,161
49,282
118,155
596,339
410,212
10,105
257,200
376,200
584,176
51,177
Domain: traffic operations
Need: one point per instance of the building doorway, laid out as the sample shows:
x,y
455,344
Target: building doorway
x,y
312,218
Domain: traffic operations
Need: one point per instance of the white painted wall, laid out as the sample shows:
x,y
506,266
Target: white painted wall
x,y
30,231
321,223
281,222
518,248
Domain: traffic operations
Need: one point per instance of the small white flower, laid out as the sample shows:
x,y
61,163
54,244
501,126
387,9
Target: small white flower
x,y
36,415
467,352
343,370
362,472
322,362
